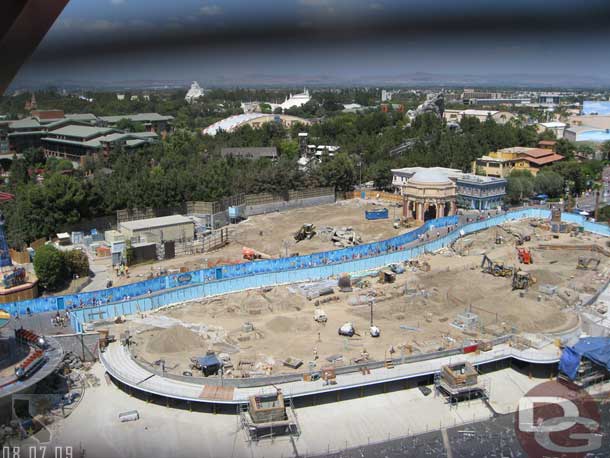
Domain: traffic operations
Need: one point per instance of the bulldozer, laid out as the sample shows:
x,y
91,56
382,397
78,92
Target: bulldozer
x,y
494,268
522,280
307,231
587,263
524,255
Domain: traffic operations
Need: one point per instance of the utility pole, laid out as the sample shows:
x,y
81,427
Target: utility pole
x,y
596,214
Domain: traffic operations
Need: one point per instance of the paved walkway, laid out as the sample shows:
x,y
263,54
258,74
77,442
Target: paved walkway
x,y
118,362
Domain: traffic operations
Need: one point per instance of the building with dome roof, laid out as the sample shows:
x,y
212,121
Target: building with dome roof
x,y
429,194
435,192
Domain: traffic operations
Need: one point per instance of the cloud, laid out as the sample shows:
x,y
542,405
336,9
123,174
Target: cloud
x,y
210,10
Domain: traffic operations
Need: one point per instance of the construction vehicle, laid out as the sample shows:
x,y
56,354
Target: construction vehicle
x,y
521,239
251,254
525,256
587,263
522,280
375,331
347,330
397,268
307,231
494,268
320,316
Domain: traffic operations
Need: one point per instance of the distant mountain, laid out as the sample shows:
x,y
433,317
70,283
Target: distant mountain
x,y
416,79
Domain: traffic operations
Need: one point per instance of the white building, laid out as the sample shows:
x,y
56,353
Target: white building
x,y
558,128
296,100
194,92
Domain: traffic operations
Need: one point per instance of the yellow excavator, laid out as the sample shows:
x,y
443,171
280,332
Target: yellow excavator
x,y
494,268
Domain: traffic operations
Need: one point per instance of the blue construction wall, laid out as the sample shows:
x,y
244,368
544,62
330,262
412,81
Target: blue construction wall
x,y
160,291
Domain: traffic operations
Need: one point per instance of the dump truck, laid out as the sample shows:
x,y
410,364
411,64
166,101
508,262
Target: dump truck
x,y
307,231
524,255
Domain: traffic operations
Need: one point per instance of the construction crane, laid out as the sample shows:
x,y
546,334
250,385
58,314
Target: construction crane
x,y
494,268
524,255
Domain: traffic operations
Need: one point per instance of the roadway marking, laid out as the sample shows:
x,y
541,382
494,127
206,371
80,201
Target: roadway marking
x,y
446,443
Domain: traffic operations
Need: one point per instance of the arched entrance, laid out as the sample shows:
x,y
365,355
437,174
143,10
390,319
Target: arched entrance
x,y
430,212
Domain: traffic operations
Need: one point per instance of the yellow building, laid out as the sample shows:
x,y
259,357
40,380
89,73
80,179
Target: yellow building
x,y
502,162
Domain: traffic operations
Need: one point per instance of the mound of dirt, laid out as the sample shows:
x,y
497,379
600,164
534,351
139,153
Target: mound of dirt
x,y
174,340
281,324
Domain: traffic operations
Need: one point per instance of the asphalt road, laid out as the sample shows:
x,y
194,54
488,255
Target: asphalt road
x,y
495,438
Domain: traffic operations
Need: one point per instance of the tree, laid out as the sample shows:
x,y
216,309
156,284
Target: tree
x,y
549,183
77,263
130,126
18,174
265,108
34,157
605,148
337,171
50,267
566,148
520,185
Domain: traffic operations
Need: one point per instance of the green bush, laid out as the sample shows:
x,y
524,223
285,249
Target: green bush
x,y
50,267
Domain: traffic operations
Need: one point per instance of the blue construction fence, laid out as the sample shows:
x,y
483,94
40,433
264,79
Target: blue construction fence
x,y
169,289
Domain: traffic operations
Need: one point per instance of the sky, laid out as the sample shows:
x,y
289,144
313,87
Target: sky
x,y
295,42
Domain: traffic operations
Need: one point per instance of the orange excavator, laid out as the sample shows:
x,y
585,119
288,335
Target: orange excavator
x,y
251,254
525,256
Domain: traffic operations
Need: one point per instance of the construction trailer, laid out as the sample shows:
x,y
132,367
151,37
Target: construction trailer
x,y
268,415
458,382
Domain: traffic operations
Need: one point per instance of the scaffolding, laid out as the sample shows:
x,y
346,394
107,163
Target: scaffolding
x,y
267,416
587,374
459,382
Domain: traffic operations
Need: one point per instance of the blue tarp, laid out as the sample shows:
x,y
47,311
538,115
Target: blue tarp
x,y
596,349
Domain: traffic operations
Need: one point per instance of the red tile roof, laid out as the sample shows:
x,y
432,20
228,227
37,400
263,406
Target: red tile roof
x,y
544,160
536,152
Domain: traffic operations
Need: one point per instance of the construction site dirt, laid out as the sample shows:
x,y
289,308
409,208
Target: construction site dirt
x,y
264,332
272,235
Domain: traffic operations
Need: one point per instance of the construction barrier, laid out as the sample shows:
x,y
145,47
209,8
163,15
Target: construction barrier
x,y
170,289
